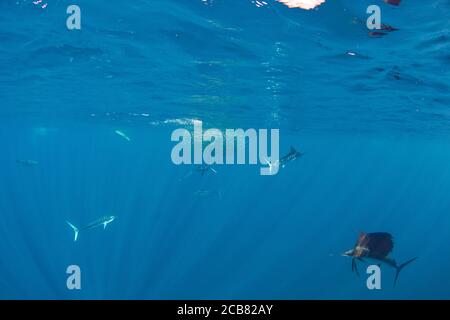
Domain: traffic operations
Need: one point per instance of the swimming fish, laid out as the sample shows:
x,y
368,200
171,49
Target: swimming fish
x,y
203,169
103,221
384,30
207,193
123,135
291,156
28,163
375,246
393,2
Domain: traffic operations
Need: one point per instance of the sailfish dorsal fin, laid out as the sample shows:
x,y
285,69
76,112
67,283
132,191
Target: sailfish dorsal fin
x,y
362,236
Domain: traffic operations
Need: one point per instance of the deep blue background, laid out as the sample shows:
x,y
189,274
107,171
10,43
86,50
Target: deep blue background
x,y
374,128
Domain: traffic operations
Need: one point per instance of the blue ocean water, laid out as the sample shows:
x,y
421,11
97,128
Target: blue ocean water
x,y
370,113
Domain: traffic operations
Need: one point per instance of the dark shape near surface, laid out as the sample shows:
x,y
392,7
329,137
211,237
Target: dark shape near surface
x,y
376,246
393,2
385,29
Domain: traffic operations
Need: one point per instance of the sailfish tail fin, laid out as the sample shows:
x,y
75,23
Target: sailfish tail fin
x,y
400,267
75,230
272,165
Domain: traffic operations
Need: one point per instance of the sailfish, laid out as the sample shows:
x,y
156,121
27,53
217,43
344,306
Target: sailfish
x,y
375,246
103,221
